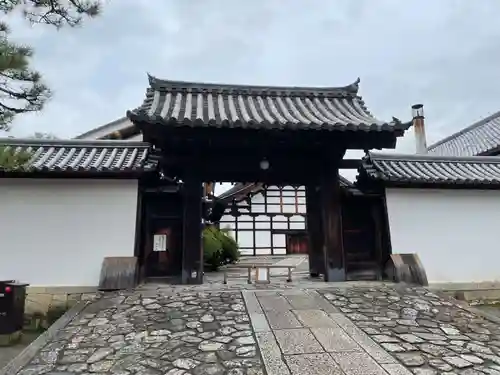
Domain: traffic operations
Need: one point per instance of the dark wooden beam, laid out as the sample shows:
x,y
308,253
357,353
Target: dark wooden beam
x,y
192,252
295,169
314,232
330,204
246,139
350,163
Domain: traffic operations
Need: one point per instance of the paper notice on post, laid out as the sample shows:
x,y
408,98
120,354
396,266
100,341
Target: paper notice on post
x,y
160,242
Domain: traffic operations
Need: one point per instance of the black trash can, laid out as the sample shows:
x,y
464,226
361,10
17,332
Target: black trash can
x,y
12,302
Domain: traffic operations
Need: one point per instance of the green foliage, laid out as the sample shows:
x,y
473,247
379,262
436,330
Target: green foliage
x,y
230,248
219,248
54,313
21,88
10,159
212,249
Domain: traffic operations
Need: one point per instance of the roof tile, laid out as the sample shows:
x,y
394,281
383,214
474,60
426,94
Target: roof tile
x,y
81,156
259,107
429,169
481,138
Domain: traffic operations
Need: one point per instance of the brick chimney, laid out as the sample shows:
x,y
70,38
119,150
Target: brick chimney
x,y
419,128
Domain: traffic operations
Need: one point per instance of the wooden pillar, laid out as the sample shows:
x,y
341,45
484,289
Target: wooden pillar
x,y
192,250
333,249
314,231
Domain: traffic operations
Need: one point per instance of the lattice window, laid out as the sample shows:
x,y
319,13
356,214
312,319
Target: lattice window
x,y
275,209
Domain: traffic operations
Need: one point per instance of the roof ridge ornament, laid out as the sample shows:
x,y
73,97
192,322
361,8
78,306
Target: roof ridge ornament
x,y
151,79
353,87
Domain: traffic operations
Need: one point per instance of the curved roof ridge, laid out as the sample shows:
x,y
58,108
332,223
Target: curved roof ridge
x,y
159,84
72,143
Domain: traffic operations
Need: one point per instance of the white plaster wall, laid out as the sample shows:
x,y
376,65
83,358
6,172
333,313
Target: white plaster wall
x,y
57,232
454,232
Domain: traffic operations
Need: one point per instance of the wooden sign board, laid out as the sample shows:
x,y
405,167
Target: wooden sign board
x,y
160,242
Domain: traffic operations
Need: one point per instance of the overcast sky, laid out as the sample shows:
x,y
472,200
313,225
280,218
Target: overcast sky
x,y
444,54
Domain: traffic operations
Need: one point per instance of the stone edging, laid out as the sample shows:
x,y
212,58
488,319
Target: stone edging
x,y
23,358
464,305
484,314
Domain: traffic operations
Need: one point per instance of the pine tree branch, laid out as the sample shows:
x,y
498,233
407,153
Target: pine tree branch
x,y
60,12
21,88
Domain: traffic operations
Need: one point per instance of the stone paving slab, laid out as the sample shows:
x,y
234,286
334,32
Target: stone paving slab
x,y
314,318
297,341
275,303
282,320
335,340
317,341
357,363
295,260
309,301
259,323
312,364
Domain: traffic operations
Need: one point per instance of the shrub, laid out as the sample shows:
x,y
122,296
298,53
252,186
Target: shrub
x,y
219,248
212,250
230,248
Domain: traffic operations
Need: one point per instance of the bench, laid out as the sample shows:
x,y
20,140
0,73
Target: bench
x,y
257,266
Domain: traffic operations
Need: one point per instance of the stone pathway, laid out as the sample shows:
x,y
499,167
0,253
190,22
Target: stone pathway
x,y
306,329
180,334
299,332
428,334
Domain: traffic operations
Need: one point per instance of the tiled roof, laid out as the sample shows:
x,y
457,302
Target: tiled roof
x,y
88,157
241,190
481,138
259,107
432,170
122,128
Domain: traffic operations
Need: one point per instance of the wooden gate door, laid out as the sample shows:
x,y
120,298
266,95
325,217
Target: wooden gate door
x,y
164,249
361,238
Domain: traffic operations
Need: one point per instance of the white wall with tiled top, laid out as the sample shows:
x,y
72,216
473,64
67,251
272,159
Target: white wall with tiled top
x,y
57,232
455,232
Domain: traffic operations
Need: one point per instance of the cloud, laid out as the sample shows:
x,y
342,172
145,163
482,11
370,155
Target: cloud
x,y
440,53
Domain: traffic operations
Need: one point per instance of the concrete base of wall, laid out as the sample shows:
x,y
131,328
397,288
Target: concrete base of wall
x,y
41,300
472,293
